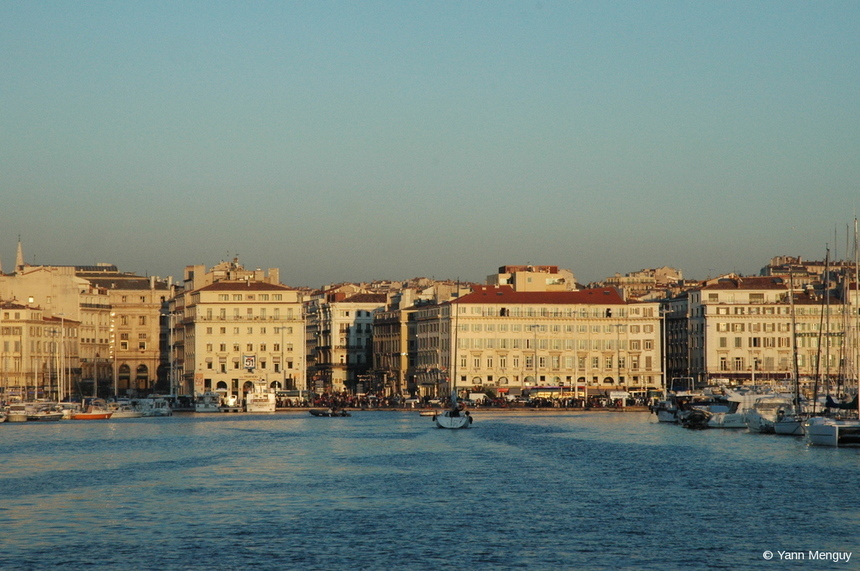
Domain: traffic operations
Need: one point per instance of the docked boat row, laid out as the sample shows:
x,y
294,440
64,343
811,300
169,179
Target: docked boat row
x,y
89,409
824,422
261,399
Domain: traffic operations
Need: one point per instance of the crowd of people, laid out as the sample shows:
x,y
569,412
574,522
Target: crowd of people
x,y
344,400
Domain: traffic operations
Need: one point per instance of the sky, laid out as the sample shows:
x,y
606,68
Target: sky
x,y
357,140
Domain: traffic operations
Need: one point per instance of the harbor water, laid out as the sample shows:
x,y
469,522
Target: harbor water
x,y
383,490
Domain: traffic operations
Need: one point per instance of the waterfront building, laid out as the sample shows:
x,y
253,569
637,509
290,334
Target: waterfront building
x,y
589,340
135,309
341,320
122,329
747,329
406,338
38,353
233,327
506,341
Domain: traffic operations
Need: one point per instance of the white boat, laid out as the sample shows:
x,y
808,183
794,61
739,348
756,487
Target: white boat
x,y
456,416
208,402
733,411
17,412
827,431
261,399
124,409
2,416
789,425
155,406
667,410
766,411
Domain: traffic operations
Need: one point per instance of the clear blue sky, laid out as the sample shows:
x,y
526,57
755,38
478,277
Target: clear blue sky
x,y
347,141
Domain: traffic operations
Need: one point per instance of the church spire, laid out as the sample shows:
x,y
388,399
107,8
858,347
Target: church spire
x,y
19,258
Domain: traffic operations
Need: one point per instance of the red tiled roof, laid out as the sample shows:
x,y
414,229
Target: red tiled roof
x,y
366,298
506,294
768,282
243,286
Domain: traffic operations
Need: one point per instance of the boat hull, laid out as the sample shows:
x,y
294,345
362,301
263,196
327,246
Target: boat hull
x,y
328,413
788,427
46,416
91,415
832,432
446,420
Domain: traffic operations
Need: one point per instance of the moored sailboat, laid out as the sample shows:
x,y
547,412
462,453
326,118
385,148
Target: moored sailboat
x,y
456,416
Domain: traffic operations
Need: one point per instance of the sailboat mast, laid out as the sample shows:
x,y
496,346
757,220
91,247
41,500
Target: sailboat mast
x,y
795,370
854,325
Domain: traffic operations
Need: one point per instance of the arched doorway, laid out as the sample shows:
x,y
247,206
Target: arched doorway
x,y
124,377
142,378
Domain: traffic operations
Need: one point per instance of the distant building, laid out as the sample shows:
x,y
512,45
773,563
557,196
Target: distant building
x,y
645,284
534,278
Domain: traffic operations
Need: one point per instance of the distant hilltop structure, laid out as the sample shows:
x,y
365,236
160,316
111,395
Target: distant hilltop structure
x,y
534,278
654,283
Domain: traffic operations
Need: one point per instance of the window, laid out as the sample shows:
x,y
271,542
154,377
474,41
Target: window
x,y
142,345
141,320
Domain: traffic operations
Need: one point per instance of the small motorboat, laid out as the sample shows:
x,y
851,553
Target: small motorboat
x,y
45,415
96,410
328,412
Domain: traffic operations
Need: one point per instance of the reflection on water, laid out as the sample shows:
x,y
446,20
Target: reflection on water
x,y
384,489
